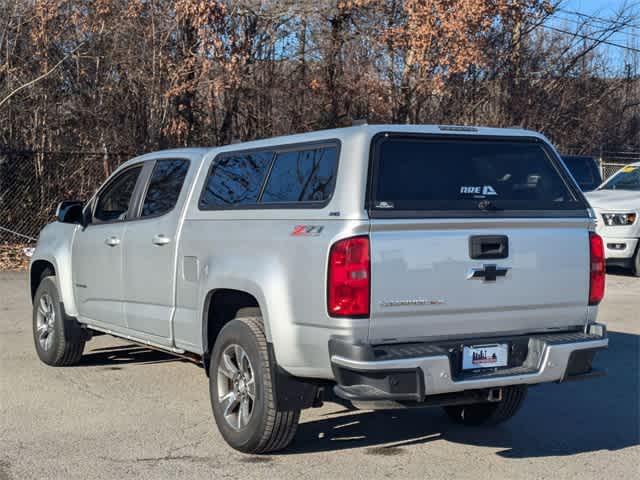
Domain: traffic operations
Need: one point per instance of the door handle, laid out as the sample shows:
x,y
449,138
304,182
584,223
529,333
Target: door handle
x,y
112,241
160,240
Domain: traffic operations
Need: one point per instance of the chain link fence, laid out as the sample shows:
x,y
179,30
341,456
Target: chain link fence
x,y
608,169
611,162
31,185
33,182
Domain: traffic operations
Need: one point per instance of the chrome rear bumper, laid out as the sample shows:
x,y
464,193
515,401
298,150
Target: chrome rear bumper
x,y
401,375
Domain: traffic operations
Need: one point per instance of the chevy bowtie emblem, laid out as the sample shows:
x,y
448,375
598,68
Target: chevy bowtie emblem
x,y
488,273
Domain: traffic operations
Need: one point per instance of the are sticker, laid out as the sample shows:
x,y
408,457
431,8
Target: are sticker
x,y
478,190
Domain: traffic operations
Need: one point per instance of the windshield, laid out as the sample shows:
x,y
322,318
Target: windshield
x,y
626,179
441,174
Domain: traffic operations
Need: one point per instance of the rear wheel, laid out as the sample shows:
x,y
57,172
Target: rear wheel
x,y
52,345
242,393
490,413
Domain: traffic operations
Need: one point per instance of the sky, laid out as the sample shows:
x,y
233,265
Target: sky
x,y
605,9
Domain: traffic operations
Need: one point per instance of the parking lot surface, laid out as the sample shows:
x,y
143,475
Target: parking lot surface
x,y
129,412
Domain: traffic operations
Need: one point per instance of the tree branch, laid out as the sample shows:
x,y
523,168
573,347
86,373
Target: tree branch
x,y
41,77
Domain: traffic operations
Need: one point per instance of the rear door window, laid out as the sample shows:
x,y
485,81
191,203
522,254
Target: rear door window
x,y
433,174
164,186
302,176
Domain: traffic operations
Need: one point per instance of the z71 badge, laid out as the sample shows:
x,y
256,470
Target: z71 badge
x,y
307,230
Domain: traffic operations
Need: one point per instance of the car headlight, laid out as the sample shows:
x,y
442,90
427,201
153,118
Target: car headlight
x,y
618,219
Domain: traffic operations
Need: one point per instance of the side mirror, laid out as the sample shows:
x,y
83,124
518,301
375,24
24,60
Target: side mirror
x,y
70,212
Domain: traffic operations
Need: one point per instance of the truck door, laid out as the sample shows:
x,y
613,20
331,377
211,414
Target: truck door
x,y
150,251
97,251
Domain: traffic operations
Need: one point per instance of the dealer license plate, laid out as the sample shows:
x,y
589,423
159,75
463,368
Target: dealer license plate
x,y
485,356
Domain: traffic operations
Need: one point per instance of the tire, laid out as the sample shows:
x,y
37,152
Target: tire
x,y
52,345
635,263
490,413
261,427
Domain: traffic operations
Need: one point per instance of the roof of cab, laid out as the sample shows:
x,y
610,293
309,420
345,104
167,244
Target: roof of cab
x,y
344,134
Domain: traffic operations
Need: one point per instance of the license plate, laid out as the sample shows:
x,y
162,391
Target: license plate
x,y
485,356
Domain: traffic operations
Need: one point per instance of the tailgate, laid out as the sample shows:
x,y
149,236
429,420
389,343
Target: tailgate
x,y
426,285
474,236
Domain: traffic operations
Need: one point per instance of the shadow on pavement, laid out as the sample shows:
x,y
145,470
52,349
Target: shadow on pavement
x,y
620,272
575,417
122,354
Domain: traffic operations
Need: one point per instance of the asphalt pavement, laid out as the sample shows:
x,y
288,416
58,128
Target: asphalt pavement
x,y
127,412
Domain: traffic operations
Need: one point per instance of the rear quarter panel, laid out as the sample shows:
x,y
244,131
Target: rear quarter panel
x,y
285,273
253,250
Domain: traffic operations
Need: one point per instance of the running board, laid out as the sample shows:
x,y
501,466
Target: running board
x,y
172,350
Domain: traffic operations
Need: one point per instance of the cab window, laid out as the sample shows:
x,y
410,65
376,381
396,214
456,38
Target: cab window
x,y
114,201
165,185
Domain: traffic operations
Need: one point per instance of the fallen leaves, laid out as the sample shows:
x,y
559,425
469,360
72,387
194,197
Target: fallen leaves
x,y
13,257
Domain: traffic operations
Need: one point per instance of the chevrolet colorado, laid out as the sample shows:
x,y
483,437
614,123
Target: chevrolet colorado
x,y
386,267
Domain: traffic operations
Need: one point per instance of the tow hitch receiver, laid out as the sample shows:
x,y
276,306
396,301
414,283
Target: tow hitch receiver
x,y
495,395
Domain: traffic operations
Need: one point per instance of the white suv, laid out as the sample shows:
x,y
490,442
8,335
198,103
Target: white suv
x,y
617,205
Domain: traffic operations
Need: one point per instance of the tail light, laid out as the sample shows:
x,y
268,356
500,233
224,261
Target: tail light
x,y
597,273
349,278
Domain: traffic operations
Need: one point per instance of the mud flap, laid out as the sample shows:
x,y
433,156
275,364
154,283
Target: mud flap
x,y
291,393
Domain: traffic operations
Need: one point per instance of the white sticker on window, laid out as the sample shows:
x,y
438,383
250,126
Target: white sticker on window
x,y
478,190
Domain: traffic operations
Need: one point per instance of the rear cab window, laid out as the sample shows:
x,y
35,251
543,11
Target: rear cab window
x,y
298,176
422,175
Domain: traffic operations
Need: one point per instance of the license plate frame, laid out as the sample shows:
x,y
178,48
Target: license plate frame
x,y
491,355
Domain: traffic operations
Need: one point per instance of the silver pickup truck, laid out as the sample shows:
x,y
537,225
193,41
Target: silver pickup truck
x,y
380,266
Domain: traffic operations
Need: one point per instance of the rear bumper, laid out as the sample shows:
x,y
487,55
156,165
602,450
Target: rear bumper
x,y
413,372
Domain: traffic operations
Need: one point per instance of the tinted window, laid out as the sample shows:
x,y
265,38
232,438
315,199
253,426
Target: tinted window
x,y
164,187
584,170
236,179
423,174
302,176
113,202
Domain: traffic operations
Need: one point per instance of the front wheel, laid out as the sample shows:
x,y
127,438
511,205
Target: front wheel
x,y
490,413
242,393
52,344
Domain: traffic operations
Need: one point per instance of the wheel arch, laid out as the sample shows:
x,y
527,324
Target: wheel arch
x,y
54,251
221,305
36,274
